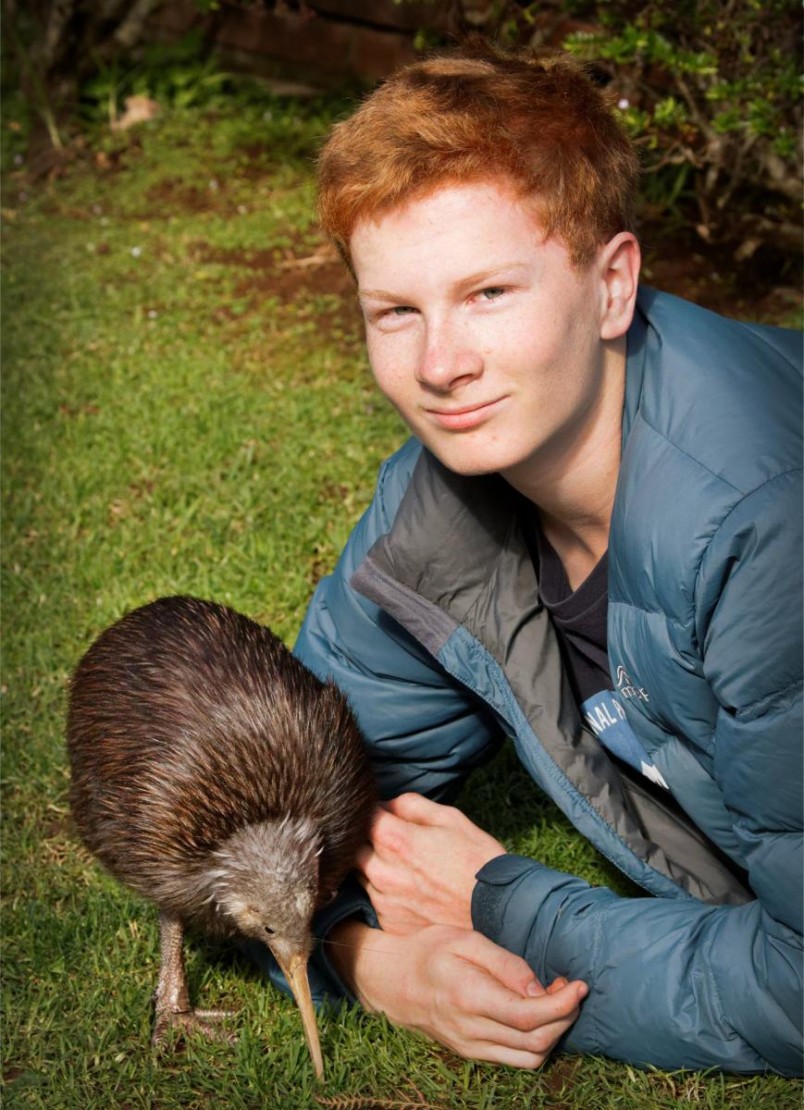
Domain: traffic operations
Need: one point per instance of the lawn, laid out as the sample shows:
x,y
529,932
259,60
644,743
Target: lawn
x,y
187,409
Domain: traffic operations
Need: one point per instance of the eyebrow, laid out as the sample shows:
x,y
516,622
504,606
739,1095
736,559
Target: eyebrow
x,y
478,278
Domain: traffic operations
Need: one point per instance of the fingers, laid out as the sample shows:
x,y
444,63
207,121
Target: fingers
x,y
413,829
420,810
502,1027
389,833
506,968
363,858
523,1050
513,1009
389,844
382,862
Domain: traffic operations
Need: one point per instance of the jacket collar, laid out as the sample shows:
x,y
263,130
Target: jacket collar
x,y
637,347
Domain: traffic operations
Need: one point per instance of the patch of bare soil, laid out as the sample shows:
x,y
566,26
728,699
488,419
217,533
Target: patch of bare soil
x,y
173,194
558,1076
285,274
291,275
765,288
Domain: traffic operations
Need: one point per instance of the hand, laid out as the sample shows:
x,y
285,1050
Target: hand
x,y
421,864
460,989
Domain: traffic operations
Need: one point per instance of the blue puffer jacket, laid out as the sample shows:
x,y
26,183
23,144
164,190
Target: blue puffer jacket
x,y
432,626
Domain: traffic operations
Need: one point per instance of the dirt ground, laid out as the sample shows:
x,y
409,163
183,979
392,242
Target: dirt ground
x,y
767,288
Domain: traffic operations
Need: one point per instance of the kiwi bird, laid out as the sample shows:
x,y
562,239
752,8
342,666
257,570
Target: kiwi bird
x,y
215,775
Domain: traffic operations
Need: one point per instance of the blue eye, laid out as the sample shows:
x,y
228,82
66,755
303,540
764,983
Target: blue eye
x,y
493,292
402,309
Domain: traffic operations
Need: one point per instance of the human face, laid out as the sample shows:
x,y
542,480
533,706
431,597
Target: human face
x,y
481,332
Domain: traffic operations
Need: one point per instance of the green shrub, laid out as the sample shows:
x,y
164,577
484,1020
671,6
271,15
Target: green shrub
x,y
710,90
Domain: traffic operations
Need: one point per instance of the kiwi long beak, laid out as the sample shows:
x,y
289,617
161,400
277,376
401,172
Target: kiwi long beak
x,y
295,971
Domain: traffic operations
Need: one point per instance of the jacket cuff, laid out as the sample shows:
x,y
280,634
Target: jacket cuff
x,y
505,912
325,983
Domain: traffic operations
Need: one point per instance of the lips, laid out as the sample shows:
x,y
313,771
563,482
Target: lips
x,y
467,417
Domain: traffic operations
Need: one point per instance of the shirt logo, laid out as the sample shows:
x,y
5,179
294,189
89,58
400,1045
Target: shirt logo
x,y
606,718
626,688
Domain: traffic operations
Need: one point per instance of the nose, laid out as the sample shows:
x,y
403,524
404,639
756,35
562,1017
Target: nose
x,y
448,358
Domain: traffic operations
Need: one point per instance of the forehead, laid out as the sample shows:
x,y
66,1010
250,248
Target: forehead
x,y
440,194
480,220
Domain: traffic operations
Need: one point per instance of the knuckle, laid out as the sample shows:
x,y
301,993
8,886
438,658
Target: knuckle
x,y
406,805
464,996
522,1021
469,945
453,816
382,879
372,871
514,966
386,838
541,1043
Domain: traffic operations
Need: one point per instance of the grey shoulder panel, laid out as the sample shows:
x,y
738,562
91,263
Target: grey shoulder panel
x,y
430,625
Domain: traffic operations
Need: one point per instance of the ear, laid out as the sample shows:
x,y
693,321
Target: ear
x,y
618,263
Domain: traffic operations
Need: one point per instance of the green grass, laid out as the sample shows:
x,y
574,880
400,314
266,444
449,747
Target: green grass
x,y
177,418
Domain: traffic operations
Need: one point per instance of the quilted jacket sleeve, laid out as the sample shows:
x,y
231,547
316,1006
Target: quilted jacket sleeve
x,y
679,983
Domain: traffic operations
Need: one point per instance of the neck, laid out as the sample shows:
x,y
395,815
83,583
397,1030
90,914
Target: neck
x,y
573,481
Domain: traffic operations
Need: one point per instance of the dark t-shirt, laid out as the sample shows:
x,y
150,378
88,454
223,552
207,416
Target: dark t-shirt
x,y
579,616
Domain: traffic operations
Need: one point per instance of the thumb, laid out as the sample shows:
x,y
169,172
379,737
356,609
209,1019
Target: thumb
x,y
577,987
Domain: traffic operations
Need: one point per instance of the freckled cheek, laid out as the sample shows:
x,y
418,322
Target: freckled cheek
x,y
393,363
536,349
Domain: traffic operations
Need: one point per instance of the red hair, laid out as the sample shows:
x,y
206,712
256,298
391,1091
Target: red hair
x,y
539,122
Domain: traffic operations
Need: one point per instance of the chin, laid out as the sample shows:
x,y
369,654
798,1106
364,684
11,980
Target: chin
x,y
472,463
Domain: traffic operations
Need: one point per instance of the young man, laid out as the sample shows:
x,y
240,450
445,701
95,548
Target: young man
x,y
592,545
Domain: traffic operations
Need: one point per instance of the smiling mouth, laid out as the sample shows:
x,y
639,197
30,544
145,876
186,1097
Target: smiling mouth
x,y
462,419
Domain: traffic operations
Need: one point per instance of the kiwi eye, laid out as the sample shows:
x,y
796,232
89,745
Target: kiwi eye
x,y
269,930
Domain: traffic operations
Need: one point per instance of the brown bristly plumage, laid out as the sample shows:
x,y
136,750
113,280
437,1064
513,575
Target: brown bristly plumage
x,y
218,777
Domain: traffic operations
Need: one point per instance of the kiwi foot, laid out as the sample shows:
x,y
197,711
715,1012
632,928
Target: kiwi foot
x,y
205,1022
